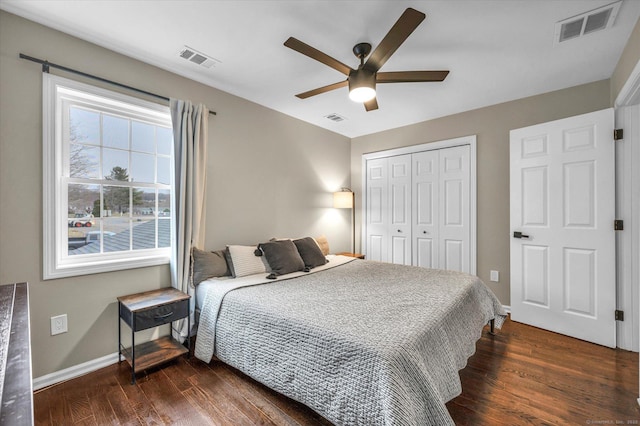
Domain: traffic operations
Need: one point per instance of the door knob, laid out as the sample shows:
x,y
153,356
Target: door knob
x,y
399,230
518,234
424,232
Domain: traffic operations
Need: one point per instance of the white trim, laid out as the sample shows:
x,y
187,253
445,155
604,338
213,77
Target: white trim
x,y
630,92
430,146
628,240
75,371
507,308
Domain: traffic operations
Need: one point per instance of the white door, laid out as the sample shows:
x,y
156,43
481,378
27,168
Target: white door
x,y
562,212
454,230
426,190
400,209
377,209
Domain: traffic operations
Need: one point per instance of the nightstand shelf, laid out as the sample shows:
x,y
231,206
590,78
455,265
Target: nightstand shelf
x,y
150,309
154,352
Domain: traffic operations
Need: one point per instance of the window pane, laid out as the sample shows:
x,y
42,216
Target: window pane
x,y
116,235
165,140
85,240
164,170
84,161
81,199
144,234
142,167
164,232
115,164
80,219
142,137
144,202
115,132
84,126
164,203
116,201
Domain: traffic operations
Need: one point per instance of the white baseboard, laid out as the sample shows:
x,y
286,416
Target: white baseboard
x,y
507,308
75,371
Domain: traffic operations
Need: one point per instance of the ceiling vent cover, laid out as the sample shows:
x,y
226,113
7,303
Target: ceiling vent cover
x,y
587,23
198,58
335,117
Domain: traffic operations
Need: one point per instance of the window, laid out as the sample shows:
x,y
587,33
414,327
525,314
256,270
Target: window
x,y
107,180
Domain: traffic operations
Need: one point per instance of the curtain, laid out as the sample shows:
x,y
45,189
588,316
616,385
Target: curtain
x,y
190,132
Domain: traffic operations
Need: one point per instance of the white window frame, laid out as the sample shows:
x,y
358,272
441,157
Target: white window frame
x,y
57,263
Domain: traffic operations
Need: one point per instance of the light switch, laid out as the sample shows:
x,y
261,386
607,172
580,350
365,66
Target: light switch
x,y
494,276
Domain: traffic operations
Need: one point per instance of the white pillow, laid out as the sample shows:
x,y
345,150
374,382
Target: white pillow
x,y
245,262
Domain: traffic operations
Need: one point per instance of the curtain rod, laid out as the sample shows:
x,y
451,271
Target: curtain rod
x,y
46,65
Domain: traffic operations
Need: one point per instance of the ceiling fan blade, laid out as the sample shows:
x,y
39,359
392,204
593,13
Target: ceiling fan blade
x,y
410,76
323,89
403,27
371,105
313,53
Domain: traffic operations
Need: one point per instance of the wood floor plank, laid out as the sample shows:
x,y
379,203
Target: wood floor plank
x,y
227,400
520,376
135,397
172,405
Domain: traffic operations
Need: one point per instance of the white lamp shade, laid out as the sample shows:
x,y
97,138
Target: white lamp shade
x,y
362,94
343,200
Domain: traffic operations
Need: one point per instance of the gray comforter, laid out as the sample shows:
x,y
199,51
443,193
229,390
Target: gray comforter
x,y
364,343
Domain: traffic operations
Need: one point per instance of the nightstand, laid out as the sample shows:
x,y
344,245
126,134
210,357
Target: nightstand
x,y
147,310
358,255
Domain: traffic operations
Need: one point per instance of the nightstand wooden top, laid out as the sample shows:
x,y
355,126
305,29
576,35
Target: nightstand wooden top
x,y
345,253
148,299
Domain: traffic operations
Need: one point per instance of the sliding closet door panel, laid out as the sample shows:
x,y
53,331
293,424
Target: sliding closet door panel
x,y
454,208
377,210
400,209
425,190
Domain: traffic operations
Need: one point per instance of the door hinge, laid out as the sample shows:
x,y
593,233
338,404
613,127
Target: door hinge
x,y
619,315
618,225
618,134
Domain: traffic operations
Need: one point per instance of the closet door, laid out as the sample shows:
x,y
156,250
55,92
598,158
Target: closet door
x,y
377,208
400,209
425,195
454,207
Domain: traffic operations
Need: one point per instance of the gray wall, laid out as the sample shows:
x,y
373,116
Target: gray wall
x,y
269,175
491,125
628,60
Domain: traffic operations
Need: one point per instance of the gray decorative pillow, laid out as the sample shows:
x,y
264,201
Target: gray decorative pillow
x,y
282,256
208,264
310,252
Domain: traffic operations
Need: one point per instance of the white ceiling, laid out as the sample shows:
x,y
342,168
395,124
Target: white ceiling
x,y
496,50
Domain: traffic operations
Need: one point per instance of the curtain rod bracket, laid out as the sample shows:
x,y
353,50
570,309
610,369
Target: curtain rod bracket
x,y
45,67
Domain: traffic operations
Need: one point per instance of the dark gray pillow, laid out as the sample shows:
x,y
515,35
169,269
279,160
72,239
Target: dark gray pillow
x,y
282,256
208,264
310,252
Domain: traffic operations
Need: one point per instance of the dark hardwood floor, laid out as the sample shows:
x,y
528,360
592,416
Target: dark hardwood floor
x,y
521,376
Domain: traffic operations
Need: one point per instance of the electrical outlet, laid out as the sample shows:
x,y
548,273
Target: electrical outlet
x,y
494,276
59,324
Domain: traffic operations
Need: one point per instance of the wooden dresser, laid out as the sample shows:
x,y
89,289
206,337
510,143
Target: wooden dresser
x,y
16,390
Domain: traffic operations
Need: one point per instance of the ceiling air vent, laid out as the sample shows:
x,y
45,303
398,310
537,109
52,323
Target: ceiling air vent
x,y
335,117
198,58
587,23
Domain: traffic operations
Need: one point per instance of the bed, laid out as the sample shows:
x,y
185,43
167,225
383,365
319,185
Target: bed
x,y
359,342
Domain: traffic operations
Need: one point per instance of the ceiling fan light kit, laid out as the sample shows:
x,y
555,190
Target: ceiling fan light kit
x,y
362,85
362,82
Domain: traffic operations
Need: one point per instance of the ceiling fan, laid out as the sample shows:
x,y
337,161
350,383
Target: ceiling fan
x,y
362,82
